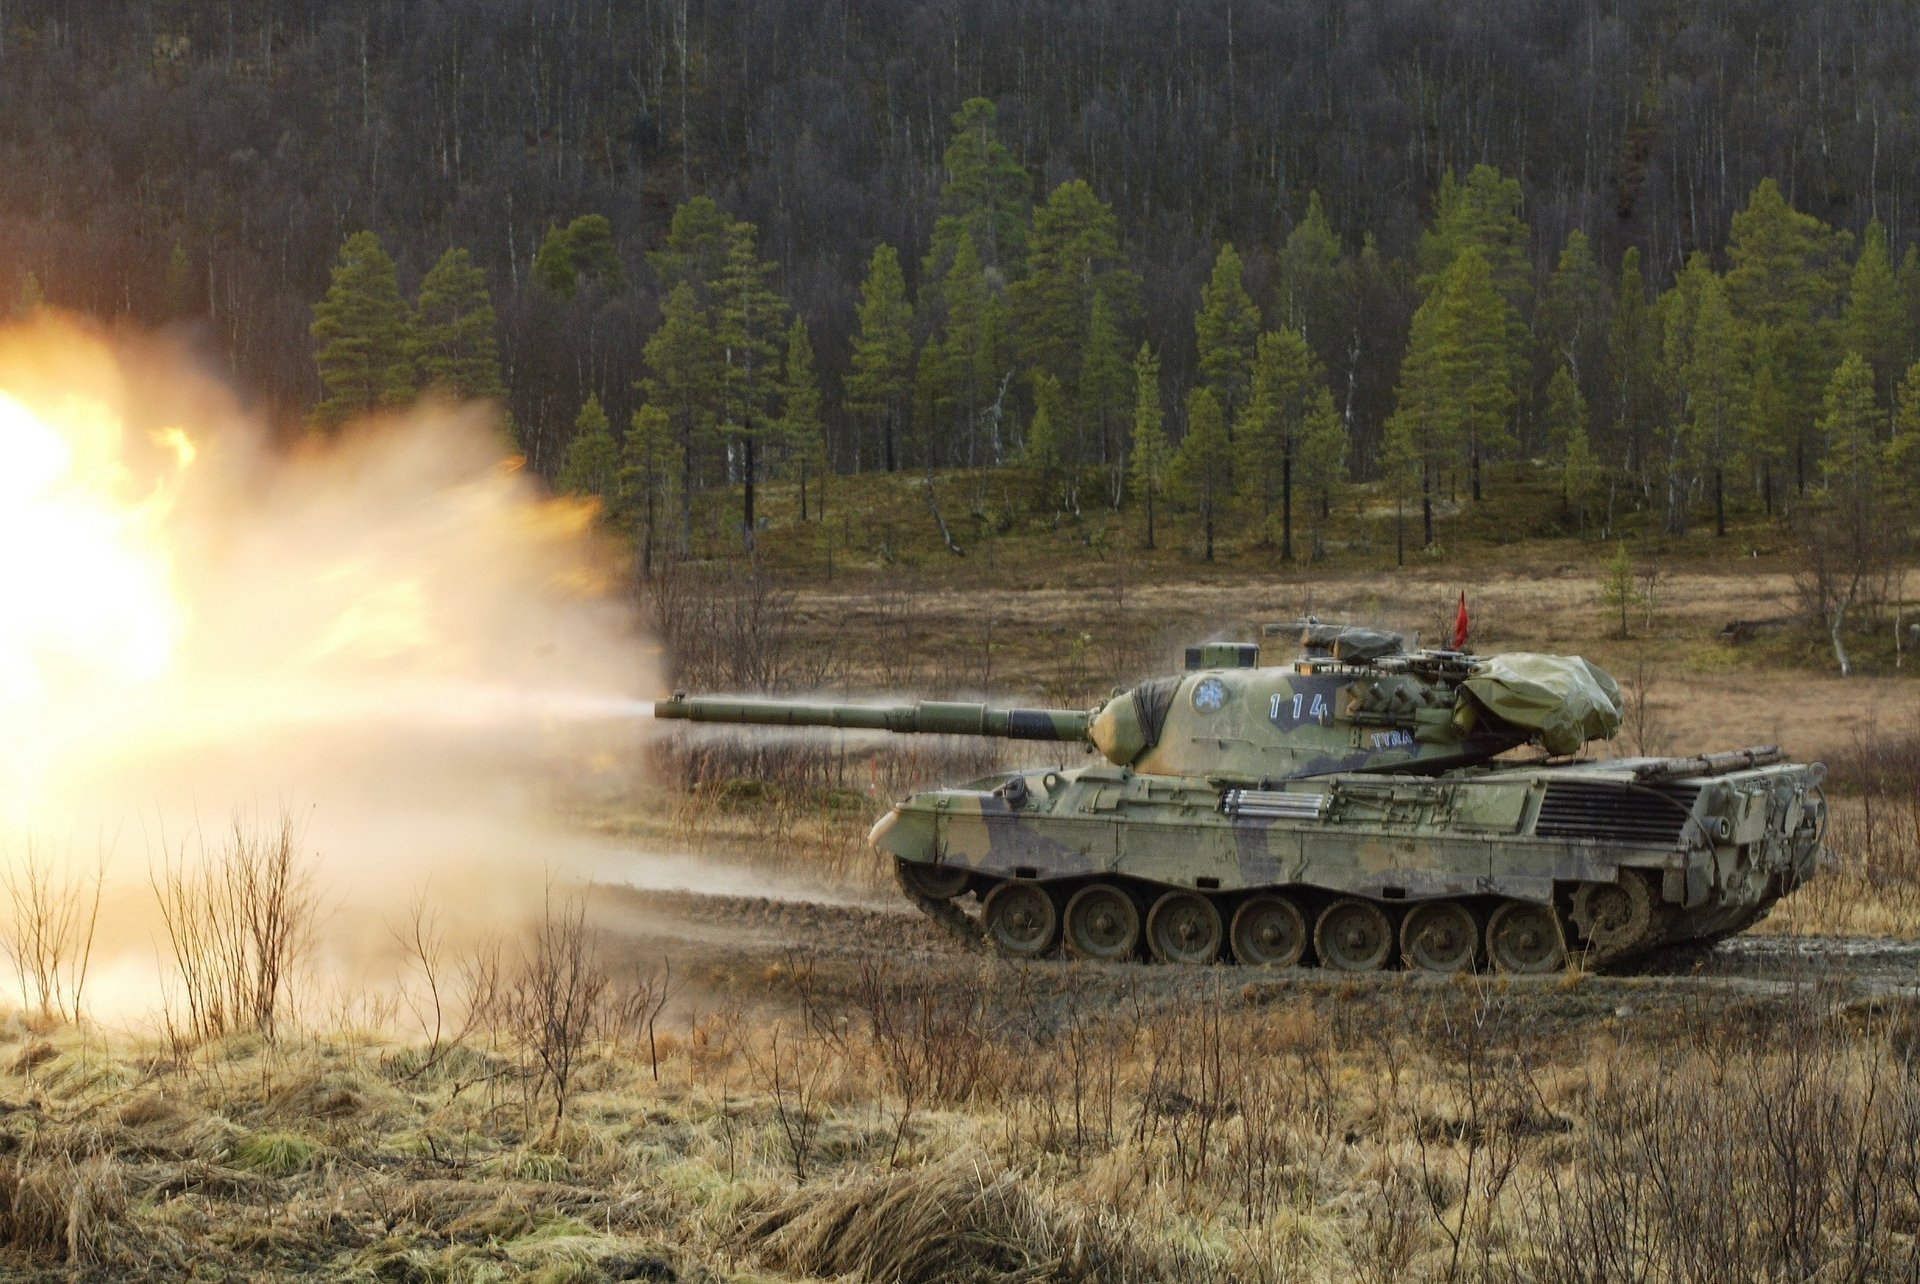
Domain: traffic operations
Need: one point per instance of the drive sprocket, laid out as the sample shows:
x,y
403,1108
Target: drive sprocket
x,y
1616,918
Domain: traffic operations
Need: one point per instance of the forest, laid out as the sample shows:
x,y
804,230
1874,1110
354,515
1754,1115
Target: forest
x,y
1150,253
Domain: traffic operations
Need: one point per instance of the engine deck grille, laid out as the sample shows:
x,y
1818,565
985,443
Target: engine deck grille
x,y
1602,811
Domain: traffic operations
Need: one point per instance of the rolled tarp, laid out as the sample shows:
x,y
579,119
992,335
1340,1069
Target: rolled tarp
x,y
1562,698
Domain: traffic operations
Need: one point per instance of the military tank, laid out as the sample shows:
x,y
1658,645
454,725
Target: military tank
x,y
1365,806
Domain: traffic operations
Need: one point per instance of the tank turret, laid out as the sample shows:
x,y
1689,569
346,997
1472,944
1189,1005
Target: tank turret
x,y
1356,806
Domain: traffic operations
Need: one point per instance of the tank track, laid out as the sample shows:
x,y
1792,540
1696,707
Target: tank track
x,y
949,916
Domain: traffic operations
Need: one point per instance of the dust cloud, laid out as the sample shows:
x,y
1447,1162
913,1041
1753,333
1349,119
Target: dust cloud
x,y
389,633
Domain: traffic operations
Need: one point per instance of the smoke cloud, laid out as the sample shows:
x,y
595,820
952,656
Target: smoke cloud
x,y
390,633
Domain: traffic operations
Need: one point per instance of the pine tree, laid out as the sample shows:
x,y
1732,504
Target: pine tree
x,y
987,195
1849,541
1903,451
1573,321
1619,591
1323,461
1875,322
1786,274
454,348
1479,326
581,253
1482,213
1105,397
699,239
1075,256
592,463
684,383
1225,328
1309,271
751,325
1768,435
1633,358
883,352
1424,429
364,330
1283,380
800,431
1203,466
648,460
1040,453
1151,458
1566,417
963,369
1716,391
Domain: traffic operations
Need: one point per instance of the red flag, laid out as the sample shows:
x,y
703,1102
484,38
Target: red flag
x,y
1461,624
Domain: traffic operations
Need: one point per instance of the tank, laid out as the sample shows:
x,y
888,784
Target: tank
x,y
1364,806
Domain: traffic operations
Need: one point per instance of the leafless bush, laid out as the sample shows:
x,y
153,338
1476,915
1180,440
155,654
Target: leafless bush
x,y
1643,722
240,921
733,627
554,1001
634,1006
55,909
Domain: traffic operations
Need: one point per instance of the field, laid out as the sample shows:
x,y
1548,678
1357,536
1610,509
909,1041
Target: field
x,y
748,1060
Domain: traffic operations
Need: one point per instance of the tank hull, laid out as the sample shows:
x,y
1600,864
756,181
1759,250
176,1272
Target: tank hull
x,y
1610,863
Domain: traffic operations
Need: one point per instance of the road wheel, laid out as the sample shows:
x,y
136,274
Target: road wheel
x,y
1353,936
1021,920
1440,936
1524,938
1102,922
1184,927
1269,931
935,882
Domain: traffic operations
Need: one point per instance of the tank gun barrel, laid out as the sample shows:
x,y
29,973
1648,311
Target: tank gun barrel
x,y
1709,764
930,717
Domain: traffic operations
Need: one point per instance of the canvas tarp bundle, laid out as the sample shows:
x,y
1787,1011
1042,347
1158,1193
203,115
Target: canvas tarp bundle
x,y
1562,697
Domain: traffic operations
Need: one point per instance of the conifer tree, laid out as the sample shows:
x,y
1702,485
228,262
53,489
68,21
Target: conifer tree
x,y
1633,358
1875,322
965,365
649,459
1424,429
1716,391
684,383
1476,335
1075,256
699,239
1903,449
1482,213
364,330
883,352
1785,277
1225,328
1566,417
1150,458
1040,452
581,253
986,196
1309,271
1849,542
750,327
592,462
454,346
1203,466
1573,320
1323,461
1284,376
800,431
1105,400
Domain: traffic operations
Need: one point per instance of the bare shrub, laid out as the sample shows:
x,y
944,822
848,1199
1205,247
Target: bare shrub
x,y
240,921
55,909
634,1006
1643,719
554,1001
733,627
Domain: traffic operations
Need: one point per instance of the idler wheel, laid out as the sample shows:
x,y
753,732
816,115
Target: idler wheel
x,y
1440,936
935,882
1102,922
1269,931
1524,938
1184,927
1353,936
1021,920
1615,917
